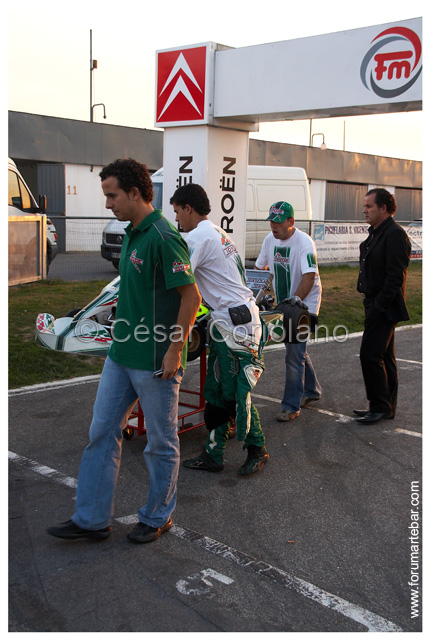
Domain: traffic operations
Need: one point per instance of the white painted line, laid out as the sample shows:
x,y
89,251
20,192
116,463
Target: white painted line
x,y
185,586
53,474
49,386
217,576
255,395
410,361
357,355
409,433
133,519
339,416
370,620
342,338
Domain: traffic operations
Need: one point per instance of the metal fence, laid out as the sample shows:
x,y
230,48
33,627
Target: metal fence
x,y
337,242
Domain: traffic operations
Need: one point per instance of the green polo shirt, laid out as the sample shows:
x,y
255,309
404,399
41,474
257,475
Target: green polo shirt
x,y
154,261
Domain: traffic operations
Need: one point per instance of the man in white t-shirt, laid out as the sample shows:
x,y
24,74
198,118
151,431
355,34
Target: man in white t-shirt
x,y
235,360
290,255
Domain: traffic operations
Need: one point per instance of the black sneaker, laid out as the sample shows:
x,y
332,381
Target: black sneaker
x,y
204,462
256,459
145,533
70,531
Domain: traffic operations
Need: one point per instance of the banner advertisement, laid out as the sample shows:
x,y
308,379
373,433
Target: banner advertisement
x,y
415,233
340,241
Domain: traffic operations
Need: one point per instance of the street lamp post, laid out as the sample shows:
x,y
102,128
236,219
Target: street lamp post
x,y
323,145
93,65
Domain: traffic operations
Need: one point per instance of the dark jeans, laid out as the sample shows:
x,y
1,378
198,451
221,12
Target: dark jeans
x,y
378,360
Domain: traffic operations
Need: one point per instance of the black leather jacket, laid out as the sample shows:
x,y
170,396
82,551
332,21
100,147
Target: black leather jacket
x,y
384,260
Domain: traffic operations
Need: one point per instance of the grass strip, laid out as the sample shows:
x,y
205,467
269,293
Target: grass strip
x,y
31,364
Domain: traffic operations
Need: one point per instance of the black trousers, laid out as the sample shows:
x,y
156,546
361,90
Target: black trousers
x,y
378,360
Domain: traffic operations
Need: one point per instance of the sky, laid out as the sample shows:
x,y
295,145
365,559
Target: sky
x,y
49,60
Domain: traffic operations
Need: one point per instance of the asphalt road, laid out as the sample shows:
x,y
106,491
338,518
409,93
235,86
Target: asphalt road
x,y
87,265
81,265
319,541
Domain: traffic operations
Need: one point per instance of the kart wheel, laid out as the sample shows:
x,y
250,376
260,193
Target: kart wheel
x,y
296,322
196,342
72,313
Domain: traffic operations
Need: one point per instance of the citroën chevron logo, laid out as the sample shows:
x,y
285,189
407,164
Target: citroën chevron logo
x,y
181,80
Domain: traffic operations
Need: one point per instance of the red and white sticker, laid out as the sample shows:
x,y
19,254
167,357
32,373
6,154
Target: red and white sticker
x,y
180,266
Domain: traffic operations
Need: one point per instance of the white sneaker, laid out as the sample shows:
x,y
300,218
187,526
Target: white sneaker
x,y
285,416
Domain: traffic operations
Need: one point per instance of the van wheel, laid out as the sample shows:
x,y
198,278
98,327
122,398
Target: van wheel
x,y
116,264
196,342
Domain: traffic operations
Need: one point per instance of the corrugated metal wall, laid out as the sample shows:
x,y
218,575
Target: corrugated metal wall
x,y
409,204
51,183
344,201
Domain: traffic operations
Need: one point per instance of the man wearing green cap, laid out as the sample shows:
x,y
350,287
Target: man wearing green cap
x,y
290,255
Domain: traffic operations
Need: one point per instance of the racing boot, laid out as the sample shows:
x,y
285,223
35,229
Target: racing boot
x,y
232,429
204,462
256,459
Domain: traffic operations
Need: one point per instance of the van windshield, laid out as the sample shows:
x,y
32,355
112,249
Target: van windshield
x,y
157,202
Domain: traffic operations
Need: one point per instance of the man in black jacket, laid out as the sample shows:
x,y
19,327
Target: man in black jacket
x,y
384,260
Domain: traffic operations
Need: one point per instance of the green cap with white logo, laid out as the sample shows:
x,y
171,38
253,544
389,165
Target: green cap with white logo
x,y
280,211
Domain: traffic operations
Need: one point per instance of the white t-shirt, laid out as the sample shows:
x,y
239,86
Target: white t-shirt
x,y
219,273
288,260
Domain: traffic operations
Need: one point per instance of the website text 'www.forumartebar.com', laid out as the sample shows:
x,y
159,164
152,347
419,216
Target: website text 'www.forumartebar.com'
x,y
415,545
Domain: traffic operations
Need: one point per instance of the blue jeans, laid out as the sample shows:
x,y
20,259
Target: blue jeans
x,y
118,391
300,377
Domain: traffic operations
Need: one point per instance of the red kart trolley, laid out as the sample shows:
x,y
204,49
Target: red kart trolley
x,y
136,420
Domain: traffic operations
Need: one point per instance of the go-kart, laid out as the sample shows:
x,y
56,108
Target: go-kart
x,y
89,330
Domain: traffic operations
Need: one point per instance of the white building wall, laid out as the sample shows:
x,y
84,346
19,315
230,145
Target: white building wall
x,y
84,198
318,191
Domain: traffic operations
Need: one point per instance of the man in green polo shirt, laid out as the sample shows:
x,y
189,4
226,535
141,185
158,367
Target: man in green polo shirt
x,y
157,305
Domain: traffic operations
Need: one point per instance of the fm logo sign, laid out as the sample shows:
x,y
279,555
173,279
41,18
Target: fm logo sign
x,y
393,63
181,79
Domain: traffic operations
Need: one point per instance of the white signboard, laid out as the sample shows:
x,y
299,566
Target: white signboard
x,y
415,233
352,72
340,241
217,160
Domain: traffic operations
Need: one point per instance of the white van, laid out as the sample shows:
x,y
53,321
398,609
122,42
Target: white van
x,y
266,185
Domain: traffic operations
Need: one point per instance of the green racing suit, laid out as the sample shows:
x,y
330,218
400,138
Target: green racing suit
x,y
234,367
